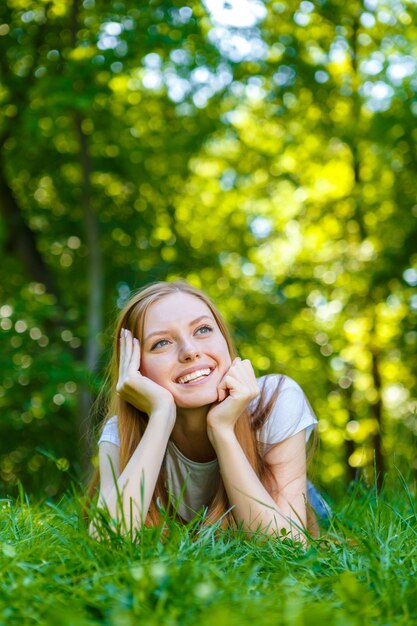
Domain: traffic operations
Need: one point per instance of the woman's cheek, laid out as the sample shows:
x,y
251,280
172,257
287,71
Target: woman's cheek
x,y
158,371
148,369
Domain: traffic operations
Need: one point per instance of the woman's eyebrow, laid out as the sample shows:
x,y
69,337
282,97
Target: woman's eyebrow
x,y
166,332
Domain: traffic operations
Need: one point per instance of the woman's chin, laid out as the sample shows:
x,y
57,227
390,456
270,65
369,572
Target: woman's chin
x,y
201,397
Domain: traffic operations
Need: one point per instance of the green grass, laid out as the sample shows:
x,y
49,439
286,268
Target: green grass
x,y
362,572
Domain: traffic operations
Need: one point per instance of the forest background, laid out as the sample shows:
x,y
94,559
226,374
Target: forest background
x,y
264,151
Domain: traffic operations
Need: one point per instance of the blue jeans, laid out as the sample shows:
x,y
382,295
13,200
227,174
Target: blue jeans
x,y
318,503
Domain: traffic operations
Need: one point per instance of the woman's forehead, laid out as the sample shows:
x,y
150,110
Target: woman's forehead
x,y
177,307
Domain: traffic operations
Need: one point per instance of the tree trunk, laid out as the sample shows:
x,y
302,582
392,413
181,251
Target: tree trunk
x,y
20,238
95,281
349,443
95,277
376,408
377,414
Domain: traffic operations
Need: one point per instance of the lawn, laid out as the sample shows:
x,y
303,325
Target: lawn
x,y
362,571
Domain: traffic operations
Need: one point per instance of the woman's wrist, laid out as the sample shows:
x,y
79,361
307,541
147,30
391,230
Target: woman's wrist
x,y
219,434
164,415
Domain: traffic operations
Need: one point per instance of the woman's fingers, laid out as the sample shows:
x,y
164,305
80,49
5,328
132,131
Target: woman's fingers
x,y
222,390
229,384
125,351
224,384
135,359
129,354
239,380
122,344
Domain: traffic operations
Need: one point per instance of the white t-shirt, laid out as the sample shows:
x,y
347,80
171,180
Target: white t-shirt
x,y
290,414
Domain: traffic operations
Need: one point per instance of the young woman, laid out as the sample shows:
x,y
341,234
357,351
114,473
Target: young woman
x,y
189,423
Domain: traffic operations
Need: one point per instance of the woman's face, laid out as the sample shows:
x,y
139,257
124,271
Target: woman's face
x,y
183,349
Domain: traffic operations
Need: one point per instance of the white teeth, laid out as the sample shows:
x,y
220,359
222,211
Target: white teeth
x,y
194,376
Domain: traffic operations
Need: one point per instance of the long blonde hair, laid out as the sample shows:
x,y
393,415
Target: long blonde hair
x,y
132,422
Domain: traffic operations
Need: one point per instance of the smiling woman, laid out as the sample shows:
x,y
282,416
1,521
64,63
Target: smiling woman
x,y
188,421
190,356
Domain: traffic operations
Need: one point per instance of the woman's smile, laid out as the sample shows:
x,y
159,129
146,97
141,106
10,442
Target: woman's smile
x,y
195,376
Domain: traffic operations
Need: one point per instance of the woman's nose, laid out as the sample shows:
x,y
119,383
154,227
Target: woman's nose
x,y
188,351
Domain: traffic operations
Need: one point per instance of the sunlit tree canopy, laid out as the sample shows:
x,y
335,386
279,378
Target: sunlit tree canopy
x,y
264,151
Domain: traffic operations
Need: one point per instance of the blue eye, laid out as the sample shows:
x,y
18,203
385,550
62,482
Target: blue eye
x,y
160,344
204,330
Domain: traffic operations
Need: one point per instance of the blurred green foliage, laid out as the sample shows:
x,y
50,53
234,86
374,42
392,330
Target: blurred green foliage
x,y
272,163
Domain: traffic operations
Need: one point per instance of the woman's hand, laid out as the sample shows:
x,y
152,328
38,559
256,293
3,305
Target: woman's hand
x,y
140,391
237,388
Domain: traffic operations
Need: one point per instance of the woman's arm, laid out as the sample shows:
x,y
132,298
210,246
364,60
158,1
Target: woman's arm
x,y
129,493
283,507
287,461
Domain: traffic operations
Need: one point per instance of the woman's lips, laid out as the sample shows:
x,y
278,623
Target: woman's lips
x,y
195,377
